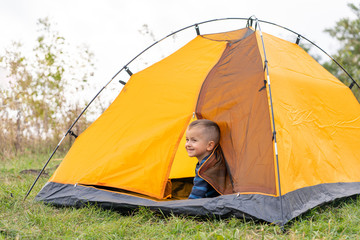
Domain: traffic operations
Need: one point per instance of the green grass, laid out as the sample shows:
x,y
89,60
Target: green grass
x,y
33,220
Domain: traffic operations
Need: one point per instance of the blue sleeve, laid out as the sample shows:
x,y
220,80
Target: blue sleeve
x,y
200,188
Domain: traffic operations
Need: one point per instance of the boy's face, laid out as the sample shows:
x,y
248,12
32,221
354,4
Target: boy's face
x,y
197,143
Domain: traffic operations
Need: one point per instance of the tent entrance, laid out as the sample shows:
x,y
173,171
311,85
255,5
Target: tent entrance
x,y
176,189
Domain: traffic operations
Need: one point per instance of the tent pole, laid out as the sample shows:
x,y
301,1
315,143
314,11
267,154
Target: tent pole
x,y
301,36
273,122
42,170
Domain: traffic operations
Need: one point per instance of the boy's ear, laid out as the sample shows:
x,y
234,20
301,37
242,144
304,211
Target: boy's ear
x,y
210,146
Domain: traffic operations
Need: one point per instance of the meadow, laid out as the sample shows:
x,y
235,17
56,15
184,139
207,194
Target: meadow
x,y
29,219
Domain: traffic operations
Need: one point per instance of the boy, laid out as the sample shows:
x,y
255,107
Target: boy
x,y
202,136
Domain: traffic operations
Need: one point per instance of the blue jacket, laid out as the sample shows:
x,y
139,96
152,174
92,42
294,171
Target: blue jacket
x,y
201,188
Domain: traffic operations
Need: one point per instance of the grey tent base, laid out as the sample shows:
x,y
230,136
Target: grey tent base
x,y
256,206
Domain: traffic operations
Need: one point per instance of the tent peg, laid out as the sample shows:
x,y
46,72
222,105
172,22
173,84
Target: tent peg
x,y
298,40
122,82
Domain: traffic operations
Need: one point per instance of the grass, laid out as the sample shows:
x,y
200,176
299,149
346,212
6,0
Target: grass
x,y
34,220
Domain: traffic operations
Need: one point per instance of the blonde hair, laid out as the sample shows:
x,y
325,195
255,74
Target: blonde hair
x,y
212,130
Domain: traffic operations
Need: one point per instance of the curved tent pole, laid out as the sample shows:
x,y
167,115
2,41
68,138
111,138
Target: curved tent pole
x,y
249,23
333,59
196,25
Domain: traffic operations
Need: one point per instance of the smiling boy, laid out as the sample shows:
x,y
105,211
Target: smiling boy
x,y
202,136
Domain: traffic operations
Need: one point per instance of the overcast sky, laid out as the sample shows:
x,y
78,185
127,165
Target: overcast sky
x,y
111,27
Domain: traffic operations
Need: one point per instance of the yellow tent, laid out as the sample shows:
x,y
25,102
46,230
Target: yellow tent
x,y
288,146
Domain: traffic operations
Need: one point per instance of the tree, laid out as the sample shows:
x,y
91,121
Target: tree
x,y
347,32
37,102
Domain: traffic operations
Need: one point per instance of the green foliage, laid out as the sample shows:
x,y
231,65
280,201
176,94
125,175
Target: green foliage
x,y
347,32
34,220
39,105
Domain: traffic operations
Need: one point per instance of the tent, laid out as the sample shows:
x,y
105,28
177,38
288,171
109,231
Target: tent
x,y
289,133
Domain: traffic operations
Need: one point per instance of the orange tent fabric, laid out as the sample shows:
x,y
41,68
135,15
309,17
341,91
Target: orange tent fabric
x,y
317,120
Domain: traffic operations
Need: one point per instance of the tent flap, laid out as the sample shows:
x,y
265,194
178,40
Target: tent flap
x,y
231,97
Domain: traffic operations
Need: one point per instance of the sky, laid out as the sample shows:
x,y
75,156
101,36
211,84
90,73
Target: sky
x,y
111,28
